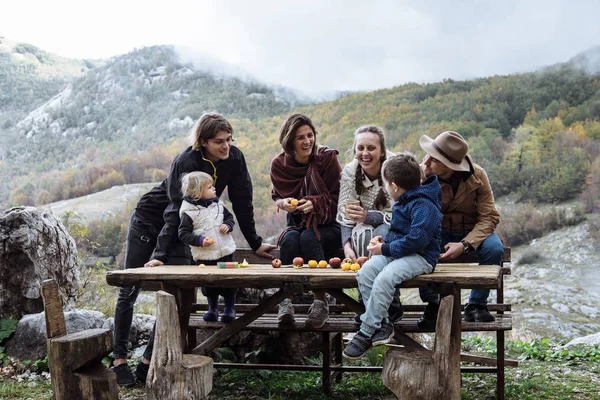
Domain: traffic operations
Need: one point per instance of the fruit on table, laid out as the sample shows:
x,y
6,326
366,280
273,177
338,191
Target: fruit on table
x,y
362,260
312,264
335,262
294,202
322,264
276,263
355,267
347,260
346,266
298,262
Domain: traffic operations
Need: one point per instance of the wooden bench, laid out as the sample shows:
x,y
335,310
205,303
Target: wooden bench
x,y
341,321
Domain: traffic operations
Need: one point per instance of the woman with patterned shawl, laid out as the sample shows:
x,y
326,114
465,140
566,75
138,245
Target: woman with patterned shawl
x,y
306,185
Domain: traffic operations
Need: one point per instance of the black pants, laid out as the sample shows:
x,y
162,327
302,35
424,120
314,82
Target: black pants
x,y
140,243
306,244
209,291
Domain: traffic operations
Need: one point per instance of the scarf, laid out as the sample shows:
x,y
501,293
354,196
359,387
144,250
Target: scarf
x,y
317,181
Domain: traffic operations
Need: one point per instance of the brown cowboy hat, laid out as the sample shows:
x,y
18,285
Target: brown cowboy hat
x,y
449,147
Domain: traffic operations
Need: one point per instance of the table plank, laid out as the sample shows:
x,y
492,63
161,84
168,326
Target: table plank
x,y
263,276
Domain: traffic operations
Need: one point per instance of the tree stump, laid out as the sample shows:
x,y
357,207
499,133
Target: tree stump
x,y
174,375
415,373
35,246
75,359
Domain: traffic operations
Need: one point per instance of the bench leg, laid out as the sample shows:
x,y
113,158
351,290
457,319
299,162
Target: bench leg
x,y
326,363
338,348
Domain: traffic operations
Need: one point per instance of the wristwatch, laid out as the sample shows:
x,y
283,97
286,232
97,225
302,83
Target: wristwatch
x,y
467,246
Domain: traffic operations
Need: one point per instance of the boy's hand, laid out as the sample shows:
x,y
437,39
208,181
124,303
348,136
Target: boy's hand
x,y
207,242
224,228
374,248
453,250
375,245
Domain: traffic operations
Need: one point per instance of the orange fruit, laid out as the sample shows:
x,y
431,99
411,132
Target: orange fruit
x,y
355,267
312,264
346,267
294,202
322,264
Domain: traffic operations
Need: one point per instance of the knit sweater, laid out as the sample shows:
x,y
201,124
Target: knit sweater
x,y
367,200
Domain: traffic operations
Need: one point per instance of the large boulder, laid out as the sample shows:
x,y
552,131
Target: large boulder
x,y
29,340
35,246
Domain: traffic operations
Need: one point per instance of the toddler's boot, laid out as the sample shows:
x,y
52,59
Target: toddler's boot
x,y
213,308
229,312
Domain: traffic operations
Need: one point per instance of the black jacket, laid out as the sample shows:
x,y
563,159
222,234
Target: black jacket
x,y
231,174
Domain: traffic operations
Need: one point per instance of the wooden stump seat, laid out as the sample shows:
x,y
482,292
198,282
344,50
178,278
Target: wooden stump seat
x,y
75,359
415,373
174,375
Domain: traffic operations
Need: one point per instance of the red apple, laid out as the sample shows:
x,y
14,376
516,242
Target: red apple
x,y
335,262
298,262
276,263
362,260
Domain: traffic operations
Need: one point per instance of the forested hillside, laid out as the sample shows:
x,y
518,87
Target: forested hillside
x,y
117,124
537,134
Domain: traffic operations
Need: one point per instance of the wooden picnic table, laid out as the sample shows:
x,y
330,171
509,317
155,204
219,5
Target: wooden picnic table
x,y
182,281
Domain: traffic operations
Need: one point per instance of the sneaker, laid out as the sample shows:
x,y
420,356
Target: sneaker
x,y
141,372
477,313
429,317
358,346
383,335
285,315
125,377
318,314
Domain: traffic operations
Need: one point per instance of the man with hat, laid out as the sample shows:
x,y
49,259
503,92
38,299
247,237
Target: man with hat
x,y
470,218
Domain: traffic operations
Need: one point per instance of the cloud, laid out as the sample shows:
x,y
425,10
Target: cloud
x,y
319,46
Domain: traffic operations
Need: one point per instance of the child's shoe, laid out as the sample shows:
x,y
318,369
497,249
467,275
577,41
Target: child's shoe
x,y
383,335
358,346
212,314
229,311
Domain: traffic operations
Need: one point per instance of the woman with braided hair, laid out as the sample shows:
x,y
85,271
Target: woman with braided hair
x,y
364,206
306,184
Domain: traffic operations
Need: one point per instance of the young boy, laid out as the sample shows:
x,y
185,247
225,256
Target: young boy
x,y
205,226
411,248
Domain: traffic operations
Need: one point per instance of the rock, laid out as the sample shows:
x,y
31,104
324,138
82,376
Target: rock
x,y
35,246
590,340
29,340
560,307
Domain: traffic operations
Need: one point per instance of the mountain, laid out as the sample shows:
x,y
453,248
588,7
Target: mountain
x,y
588,60
30,76
127,106
536,134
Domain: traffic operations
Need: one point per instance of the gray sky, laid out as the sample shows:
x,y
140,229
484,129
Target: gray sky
x,y
321,45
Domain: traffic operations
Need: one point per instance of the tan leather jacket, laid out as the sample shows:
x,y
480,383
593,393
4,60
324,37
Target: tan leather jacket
x,y
472,208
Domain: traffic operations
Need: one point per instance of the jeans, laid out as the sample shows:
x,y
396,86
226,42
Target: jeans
x,y
139,245
489,253
377,281
306,245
